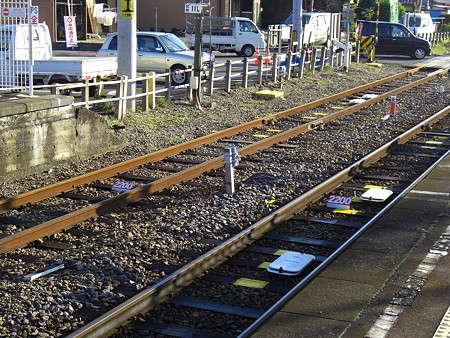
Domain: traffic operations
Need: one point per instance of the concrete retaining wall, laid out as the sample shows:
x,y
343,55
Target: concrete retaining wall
x,y
37,134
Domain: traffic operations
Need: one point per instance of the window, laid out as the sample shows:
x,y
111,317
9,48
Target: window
x,y
173,43
247,26
113,43
147,44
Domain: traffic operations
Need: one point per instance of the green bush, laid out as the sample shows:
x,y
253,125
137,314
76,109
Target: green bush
x,y
445,27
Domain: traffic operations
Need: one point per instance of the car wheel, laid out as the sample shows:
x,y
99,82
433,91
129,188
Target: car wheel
x,y
178,77
247,51
419,53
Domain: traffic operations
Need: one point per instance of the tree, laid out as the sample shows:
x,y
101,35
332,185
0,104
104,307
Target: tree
x,y
368,10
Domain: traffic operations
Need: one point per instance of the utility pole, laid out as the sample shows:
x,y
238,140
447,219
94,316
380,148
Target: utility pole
x,y
297,24
126,47
195,83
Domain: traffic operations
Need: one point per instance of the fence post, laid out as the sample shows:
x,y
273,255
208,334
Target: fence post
x,y
302,63
148,86
212,73
245,73
121,93
190,92
314,56
85,93
275,67
289,65
331,60
323,57
167,84
228,77
260,69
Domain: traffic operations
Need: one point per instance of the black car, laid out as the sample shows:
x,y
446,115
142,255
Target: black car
x,y
395,39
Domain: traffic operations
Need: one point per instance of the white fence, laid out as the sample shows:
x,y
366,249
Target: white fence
x,y
13,61
222,76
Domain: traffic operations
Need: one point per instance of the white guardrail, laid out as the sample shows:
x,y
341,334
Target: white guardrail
x,y
275,68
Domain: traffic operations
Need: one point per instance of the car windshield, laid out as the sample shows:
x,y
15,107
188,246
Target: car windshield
x,y
173,43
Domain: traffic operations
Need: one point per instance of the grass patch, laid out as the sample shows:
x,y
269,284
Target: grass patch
x,y
441,48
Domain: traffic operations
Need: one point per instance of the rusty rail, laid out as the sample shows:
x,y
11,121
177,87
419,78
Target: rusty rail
x,y
51,227
69,184
154,295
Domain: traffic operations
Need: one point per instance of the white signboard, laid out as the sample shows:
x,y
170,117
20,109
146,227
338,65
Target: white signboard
x,y
14,12
193,8
34,10
71,31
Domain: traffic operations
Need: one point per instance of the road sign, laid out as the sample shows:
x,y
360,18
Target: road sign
x,y
14,12
127,9
34,10
193,8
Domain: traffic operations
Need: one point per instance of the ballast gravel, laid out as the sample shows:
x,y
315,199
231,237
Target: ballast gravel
x,y
115,259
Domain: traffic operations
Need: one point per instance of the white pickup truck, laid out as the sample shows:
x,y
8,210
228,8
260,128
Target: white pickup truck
x,y
14,56
236,34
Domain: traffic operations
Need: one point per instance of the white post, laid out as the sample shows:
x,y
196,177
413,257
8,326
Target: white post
x,y
126,46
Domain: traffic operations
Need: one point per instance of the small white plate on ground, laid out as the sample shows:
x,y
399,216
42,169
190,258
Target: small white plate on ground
x,y
290,263
356,101
369,96
376,195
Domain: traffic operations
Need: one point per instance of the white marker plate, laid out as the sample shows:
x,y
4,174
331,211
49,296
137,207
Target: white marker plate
x,y
376,195
290,263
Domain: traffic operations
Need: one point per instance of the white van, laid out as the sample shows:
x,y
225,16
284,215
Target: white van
x,y
316,27
419,23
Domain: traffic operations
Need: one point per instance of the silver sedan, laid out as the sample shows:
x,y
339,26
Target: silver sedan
x,y
157,52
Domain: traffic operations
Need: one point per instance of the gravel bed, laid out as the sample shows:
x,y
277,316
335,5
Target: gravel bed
x,y
159,228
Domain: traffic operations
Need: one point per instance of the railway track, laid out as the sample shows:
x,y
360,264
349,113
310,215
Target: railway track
x,y
239,263
90,195
330,108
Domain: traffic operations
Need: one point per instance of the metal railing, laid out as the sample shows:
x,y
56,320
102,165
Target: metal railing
x,y
222,76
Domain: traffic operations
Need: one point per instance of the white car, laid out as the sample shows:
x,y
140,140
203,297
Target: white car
x,y
157,52
419,23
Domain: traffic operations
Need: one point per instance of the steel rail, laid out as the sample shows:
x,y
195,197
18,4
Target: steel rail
x,y
69,184
144,301
53,226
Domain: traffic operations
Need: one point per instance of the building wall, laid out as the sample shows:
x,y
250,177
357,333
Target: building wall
x,y
163,14
47,14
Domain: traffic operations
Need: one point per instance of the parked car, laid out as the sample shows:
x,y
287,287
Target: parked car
x,y
395,39
316,27
419,23
157,52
